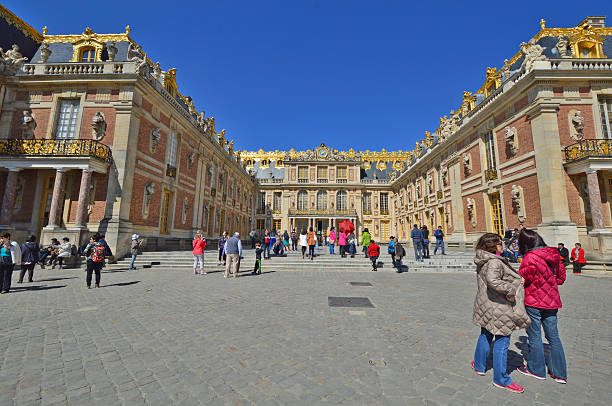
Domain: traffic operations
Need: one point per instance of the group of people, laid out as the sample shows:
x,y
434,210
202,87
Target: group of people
x,y
509,300
420,242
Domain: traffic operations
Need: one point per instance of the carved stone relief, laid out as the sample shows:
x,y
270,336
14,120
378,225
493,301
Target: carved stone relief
x,y
154,139
510,135
576,124
149,190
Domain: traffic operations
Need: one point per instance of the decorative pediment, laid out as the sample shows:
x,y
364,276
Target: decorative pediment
x,y
88,39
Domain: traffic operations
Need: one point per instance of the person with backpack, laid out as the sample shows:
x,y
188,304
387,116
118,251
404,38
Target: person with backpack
x,y
391,249
303,242
366,237
94,252
135,249
351,242
312,242
439,234
425,241
342,243
294,241
543,272
399,254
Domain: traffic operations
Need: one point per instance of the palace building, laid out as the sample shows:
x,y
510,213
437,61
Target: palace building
x,y
96,136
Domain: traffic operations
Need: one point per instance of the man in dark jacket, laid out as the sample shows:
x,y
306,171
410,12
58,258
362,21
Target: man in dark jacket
x,y
29,258
417,241
564,254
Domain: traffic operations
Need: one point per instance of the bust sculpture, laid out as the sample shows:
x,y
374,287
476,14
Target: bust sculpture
x,y
111,49
98,126
28,124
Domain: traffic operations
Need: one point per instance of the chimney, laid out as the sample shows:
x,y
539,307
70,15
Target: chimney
x,y
594,21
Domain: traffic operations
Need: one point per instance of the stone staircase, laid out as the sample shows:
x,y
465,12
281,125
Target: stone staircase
x,y
453,261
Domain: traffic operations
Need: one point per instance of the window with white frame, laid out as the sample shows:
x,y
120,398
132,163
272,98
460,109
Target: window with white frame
x,y
490,150
67,119
302,200
384,203
276,204
171,149
261,201
605,108
322,200
341,200
367,203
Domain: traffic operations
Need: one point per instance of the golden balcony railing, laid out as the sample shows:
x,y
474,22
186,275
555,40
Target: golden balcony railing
x,y
67,147
490,174
588,149
170,171
316,212
439,194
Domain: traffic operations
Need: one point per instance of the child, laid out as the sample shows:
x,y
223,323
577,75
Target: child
x,y
258,251
374,252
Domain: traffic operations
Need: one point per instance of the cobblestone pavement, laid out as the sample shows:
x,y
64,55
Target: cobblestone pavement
x,y
166,337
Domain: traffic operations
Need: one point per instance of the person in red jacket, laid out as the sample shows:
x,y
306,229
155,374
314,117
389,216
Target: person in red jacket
x,y
373,252
542,271
578,258
199,243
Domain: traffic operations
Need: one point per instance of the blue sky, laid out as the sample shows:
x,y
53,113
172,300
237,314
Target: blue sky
x,y
288,74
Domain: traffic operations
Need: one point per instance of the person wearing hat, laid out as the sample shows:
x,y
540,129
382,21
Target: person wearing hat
x,y
136,249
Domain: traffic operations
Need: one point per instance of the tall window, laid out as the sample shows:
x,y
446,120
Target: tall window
x,y
322,174
302,174
322,200
490,150
88,55
302,200
171,150
367,203
384,203
277,201
67,120
261,201
605,107
341,174
341,200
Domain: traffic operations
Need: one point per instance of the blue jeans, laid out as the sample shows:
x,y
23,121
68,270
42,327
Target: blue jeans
x,y
536,362
133,259
500,356
439,243
331,248
418,253
311,250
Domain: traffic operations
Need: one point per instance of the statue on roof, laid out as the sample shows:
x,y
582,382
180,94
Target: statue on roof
x,y
137,55
562,46
190,105
506,69
45,52
111,49
11,60
532,52
157,71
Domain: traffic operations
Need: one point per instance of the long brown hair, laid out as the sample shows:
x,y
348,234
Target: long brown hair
x,y
488,242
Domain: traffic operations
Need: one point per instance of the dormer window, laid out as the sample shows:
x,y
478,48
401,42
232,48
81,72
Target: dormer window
x,y
88,54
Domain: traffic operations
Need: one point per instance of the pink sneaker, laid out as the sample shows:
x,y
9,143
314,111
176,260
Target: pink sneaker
x,y
523,370
477,372
202,272
513,387
558,380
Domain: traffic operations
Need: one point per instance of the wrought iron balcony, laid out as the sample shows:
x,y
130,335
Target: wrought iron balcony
x,y
490,174
55,148
170,171
588,149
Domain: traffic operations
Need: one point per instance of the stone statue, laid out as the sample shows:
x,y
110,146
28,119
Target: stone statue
x,y
137,55
444,173
203,122
191,159
185,210
155,137
445,130
506,73
467,163
230,148
511,139
517,202
532,52
562,46
45,52
190,105
577,121
19,188
471,210
11,60
418,190
430,184
111,49
98,126
157,71
149,190
28,124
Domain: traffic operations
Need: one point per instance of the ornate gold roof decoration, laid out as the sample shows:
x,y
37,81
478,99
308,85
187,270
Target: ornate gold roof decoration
x,y
24,27
72,38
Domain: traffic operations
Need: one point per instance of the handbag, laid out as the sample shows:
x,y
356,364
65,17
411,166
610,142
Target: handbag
x,y
6,260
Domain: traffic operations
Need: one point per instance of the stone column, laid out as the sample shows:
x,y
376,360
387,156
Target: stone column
x,y
82,215
595,200
58,192
8,202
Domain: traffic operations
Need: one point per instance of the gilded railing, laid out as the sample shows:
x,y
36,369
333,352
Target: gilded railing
x,y
588,148
490,174
170,171
67,147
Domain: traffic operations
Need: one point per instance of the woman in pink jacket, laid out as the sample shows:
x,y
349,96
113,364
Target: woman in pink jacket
x,y
342,243
332,240
542,271
199,243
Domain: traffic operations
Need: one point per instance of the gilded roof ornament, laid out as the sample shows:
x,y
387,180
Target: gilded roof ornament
x,y
543,24
45,30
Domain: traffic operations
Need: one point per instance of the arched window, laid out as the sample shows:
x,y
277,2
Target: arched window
x,y
302,200
88,54
322,200
341,200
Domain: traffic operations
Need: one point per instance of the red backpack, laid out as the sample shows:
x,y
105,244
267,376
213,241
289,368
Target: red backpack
x,y
97,254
